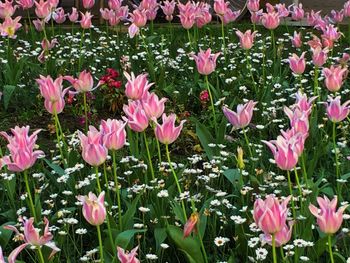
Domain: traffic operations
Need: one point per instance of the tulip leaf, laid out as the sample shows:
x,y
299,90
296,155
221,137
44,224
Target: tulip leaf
x,y
5,235
123,239
7,93
127,219
233,175
55,167
159,235
189,246
205,138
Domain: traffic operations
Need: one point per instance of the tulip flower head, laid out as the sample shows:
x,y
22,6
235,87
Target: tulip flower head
x,y
270,20
84,82
137,86
125,257
206,61
136,117
94,210
335,111
242,117
9,27
334,77
297,64
296,40
191,224
329,219
282,237
114,134
253,5
246,39
88,4
85,21
152,105
7,9
166,132
25,4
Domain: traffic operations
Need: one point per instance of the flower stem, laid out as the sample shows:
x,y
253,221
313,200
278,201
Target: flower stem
x,y
291,193
330,248
118,191
176,181
249,67
86,113
148,154
211,102
247,142
98,180
189,38
41,257
31,204
80,48
274,255
223,36
335,150
100,243
298,183
57,128
304,169
273,45
316,93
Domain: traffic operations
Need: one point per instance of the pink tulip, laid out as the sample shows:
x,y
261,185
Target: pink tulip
x,y
256,16
315,42
337,112
230,16
282,237
85,21
2,259
187,19
59,15
21,146
94,152
298,119
139,18
286,157
88,4
296,40
253,5
43,9
246,39
9,27
282,10
270,215
133,30
334,77
136,87
204,16
25,4
7,9
136,116
206,61
53,93
297,64
168,9
191,224
84,83
32,238
94,210
319,56
330,32
313,17
242,117
114,4
74,15
152,105
304,104
297,12
167,133
221,7
328,219
39,24
53,4
125,257
114,134
270,20
337,16
114,19
347,8
105,13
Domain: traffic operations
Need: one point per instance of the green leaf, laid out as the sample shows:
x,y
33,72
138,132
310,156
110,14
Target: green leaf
x,y
233,175
127,219
123,239
7,93
5,235
205,138
55,167
159,235
189,246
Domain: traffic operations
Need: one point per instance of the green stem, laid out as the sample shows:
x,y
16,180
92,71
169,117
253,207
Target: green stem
x,y
100,243
273,45
31,204
304,169
223,36
202,245
189,38
298,183
41,257
98,180
250,69
80,50
330,248
148,154
291,193
335,150
274,255
85,113
211,102
118,191
247,142
176,181
316,92
57,128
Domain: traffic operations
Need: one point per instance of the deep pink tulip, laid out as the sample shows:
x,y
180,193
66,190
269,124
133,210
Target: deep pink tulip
x,y
84,82
242,117
136,116
31,237
285,155
85,21
347,8
115,4
319,56
21,146
25,4
152,105
282,237
270,20
221,7
206,61
139,18
88,4
94,210
329,219
270,215
337,16
297,12
136,87
253,5
59,16
168,9
331,32
335,111
94,152
125,257
114,134
334,77
191,224
296,40
167,133
9,27
187,19
246,39
43,9
74,15
53,93
297,64
7,9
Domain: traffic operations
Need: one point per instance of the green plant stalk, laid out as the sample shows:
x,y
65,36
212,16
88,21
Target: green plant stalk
x,y
274,255
30,24
98,180
250,69
211,102
85,112
273,45
223,36
58,136
291,193
41,257
335,150
300,77
31,204
330,248
316,92
118,191
304,169
247,142
150,57
298,183
80,50
189,38
202,245
148,154
100,243
176,180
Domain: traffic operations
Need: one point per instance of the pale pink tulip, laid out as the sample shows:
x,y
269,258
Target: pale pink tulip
x,y
329,219
136,87
39,24
136,116
242,117
335,111
230,16
334,77
9,27
296,40
282,237
187,19
221,7
114,134
88,4
115,4
25,4
297,64
347,8
125,257
152,105
206,61
297,12
139,18
59,16
253,5
7,9
85,21
43,9
270,20
168,9
166,132
246,39
84,82
94,210
74,15
319,56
